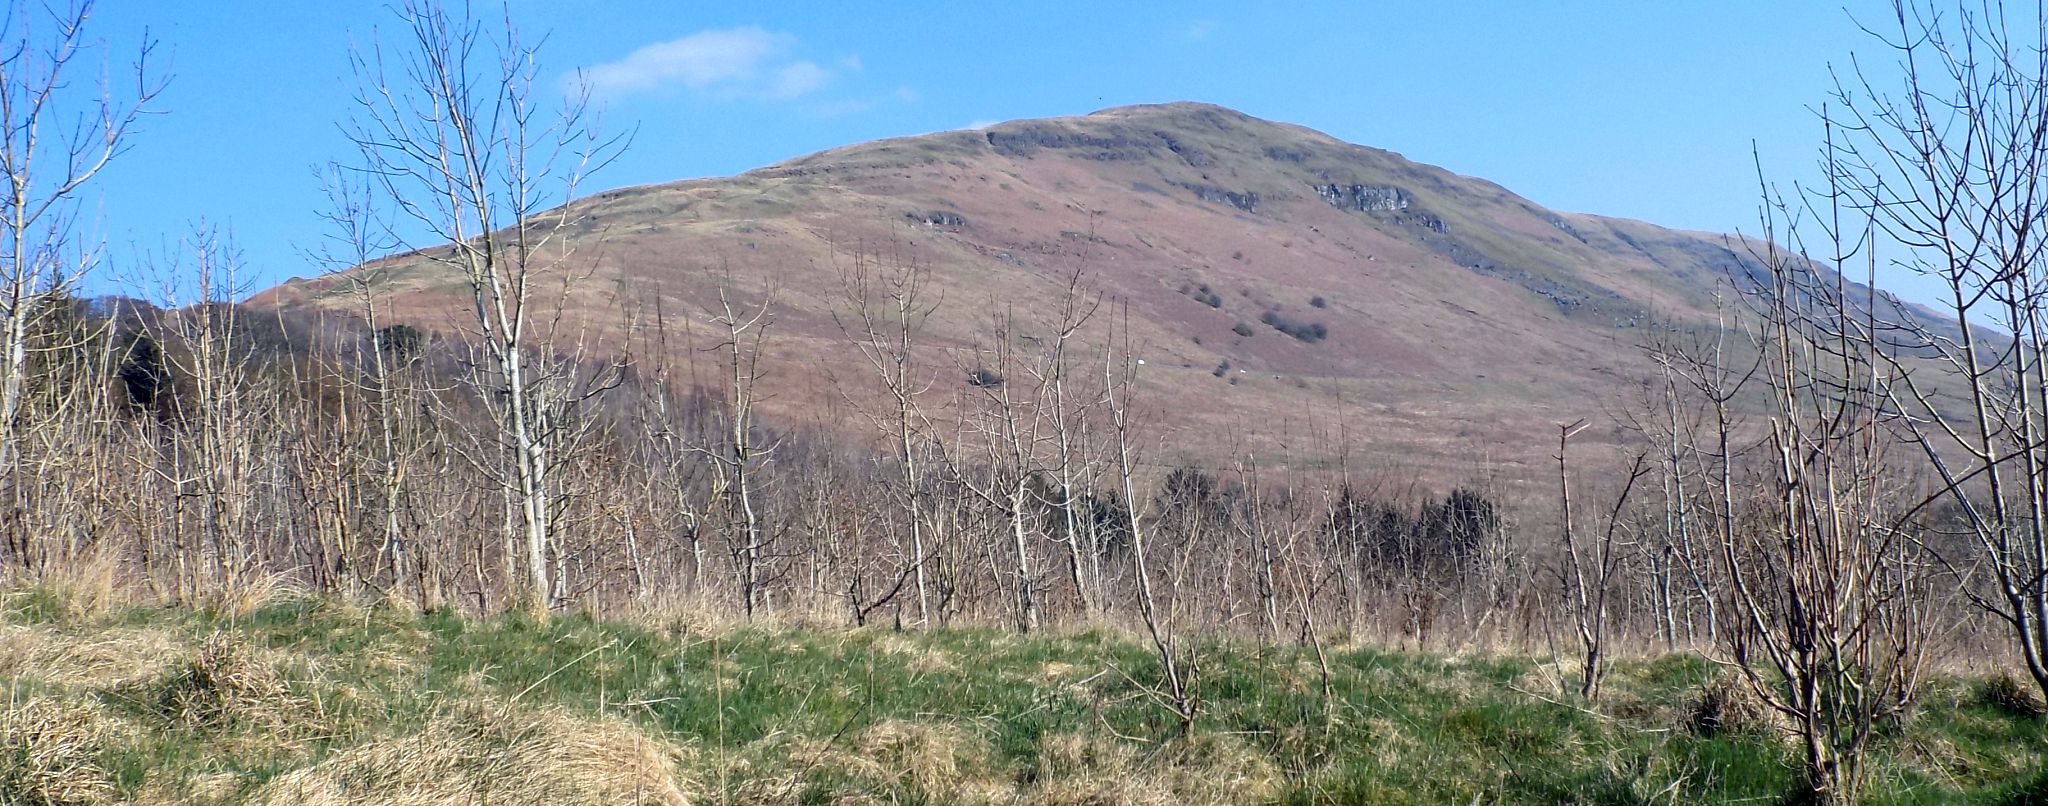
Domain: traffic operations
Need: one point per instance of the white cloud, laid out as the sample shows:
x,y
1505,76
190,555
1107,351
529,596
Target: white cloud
x,y
977,125
734,63
796,80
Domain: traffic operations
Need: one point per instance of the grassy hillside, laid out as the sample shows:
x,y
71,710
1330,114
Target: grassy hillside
x,y
304,701
1451,318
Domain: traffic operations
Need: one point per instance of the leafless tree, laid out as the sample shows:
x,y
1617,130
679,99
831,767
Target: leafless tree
x,y
1826,584
57,133
455,137
1590,567
1120,379
887,306
1950,162
738,456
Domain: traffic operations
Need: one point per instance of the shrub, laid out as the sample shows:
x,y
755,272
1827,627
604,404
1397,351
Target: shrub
x,y
1310,332
401,342
984,377
1727,707
1221,369
1318,302
2007,692
1242,329
144,371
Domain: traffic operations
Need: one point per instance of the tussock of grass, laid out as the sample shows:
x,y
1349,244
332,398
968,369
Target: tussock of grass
x,y
52,753
2006,692
229,685
1092,769
888,762
102,658
938,760
480,753
86,588
1728,706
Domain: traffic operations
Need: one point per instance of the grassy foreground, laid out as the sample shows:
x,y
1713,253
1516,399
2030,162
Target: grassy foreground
x,y
302,701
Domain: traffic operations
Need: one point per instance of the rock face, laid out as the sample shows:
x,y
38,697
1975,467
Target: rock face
x,y
1364,198
938,218
1247,201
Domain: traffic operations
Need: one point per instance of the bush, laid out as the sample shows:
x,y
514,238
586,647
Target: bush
x,y
1318,302
1310,332
402,342
2008,693
1221,369
984,377
1242,329
1727,707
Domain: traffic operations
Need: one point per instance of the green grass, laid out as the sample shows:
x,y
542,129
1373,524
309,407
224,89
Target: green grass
x,y
800,715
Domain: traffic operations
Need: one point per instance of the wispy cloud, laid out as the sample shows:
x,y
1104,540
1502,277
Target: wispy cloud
x,y
901,96
748,63
976,125
1197,31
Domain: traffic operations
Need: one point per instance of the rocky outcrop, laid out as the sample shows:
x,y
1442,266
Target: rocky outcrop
x,y
1286,154
1381,199
938,219
1365,198
1566,228
1247,201
1189,154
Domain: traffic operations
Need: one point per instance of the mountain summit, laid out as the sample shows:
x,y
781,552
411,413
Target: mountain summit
x,y
1273,275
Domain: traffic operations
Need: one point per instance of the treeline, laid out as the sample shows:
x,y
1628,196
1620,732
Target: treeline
x,y
205,449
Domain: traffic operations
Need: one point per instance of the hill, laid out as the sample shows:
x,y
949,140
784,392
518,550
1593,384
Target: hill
x,y
1286,289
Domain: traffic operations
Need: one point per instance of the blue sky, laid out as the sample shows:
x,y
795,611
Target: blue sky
x,y
1638,109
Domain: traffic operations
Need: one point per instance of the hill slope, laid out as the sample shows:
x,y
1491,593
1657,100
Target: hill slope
x,y
1445,324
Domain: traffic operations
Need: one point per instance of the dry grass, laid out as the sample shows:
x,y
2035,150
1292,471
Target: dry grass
x,y
890,760
109,658
1729,706
679,616
252,701
2007,692
492,754
940,760
246,593
914,655
51,753
1096,770
86,587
